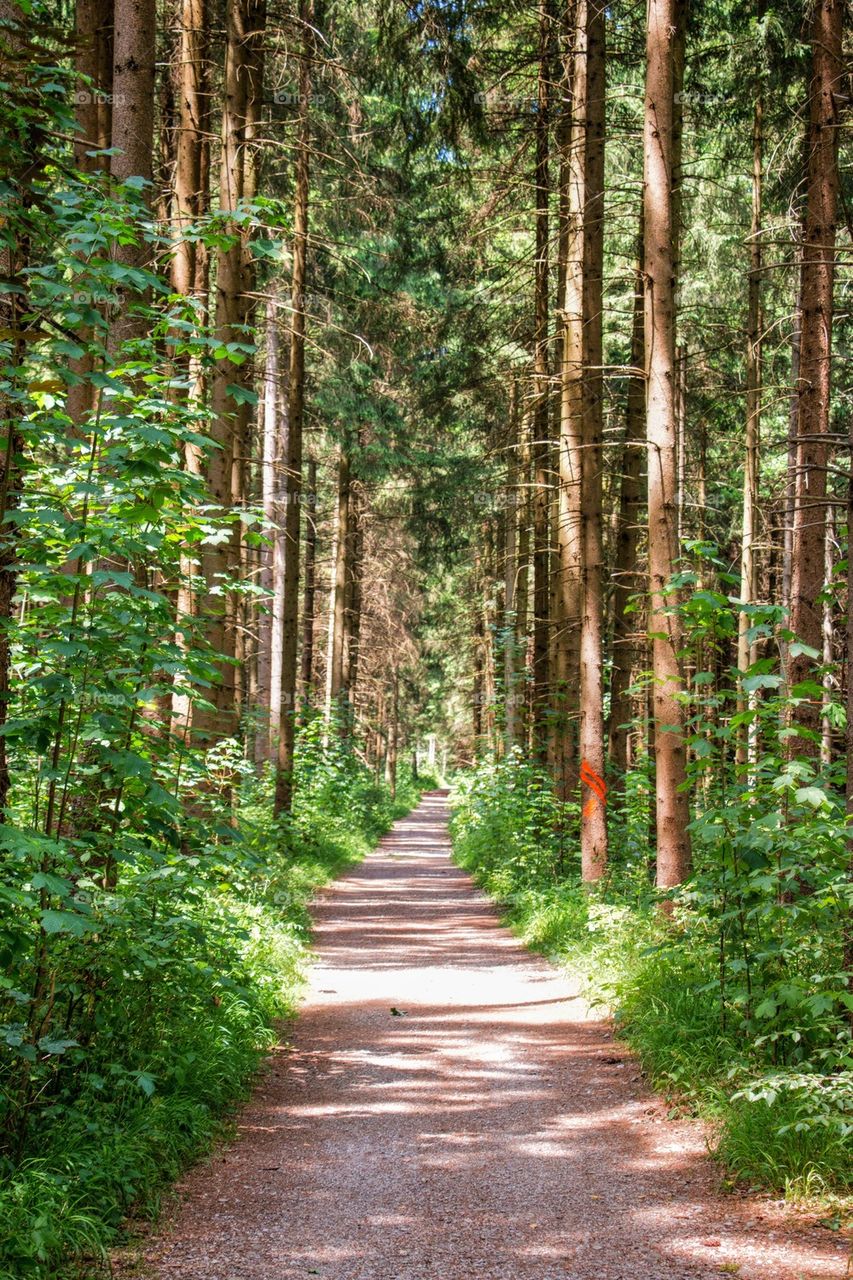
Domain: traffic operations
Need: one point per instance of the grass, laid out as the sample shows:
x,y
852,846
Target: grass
x,y
187,1049
781,1130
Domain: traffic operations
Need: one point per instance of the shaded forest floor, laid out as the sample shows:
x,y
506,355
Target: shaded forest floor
x,y
450,1107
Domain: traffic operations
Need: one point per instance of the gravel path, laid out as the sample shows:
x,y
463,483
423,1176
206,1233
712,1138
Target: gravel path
x,y
491,1128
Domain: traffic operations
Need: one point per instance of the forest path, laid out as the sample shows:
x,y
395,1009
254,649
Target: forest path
x,y
491,1129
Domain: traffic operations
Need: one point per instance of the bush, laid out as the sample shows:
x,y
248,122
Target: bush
x,y
737,1005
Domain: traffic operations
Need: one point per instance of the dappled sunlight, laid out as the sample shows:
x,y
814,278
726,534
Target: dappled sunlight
x,y
450,1107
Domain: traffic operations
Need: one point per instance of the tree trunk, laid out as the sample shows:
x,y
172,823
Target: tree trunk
x,y
306,676
352,611
269,621
134,46
221,562
93,59
393,737
828,638
510,573
816,290
746,651
626,581
290,610
541,429
592,767
522,583
338,594
672,809
571,413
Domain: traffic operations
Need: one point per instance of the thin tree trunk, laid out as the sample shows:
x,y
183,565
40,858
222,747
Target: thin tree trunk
x,y
93,59
510,572
306,676
626,580
818,272
290,612
592,748
270,450
393,737
541,429
746,651
522,585
221,561
571,412
828,638
335,661
672,808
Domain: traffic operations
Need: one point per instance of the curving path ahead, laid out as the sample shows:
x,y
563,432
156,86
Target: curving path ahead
x,y
491,1128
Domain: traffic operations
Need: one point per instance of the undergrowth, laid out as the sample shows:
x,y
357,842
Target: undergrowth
x,y
195,961
769,1064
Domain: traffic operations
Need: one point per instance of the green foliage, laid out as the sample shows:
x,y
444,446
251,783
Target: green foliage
x,y
740,1003
161,1009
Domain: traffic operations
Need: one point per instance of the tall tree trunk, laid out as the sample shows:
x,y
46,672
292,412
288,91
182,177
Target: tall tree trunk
x,y
746,651
571,408
816,290
541,428
352,610
672,809
848,730
626,581
14,321
306,676
290,611
510,575
338,595
221,562
393,737
522,582
828,638
270,457
93,62
134,44
592,751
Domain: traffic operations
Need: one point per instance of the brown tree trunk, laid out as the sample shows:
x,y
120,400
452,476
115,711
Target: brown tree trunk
x,y
510,575
220,562
270,458
746,651
290,612
93,59
672,809
335,662
626,579
541,417
306,676
592,751
816,290
571,412
393,737
522,582
352,610
134,44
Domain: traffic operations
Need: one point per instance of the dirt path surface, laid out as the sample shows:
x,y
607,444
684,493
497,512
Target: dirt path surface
x,y
489,1129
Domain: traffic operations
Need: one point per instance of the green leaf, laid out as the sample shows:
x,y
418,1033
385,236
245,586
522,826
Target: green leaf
x,y
66,922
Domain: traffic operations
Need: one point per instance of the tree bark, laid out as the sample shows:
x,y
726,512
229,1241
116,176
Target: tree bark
x,y
626,578
746,651
338,594
541,417
290,607
306,677
816,292
571,412
592,749
672,809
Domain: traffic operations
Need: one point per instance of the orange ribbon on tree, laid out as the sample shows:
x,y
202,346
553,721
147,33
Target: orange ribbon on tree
x,y
597,786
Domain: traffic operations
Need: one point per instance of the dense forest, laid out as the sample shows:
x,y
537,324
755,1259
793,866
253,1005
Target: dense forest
x,y
400,394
